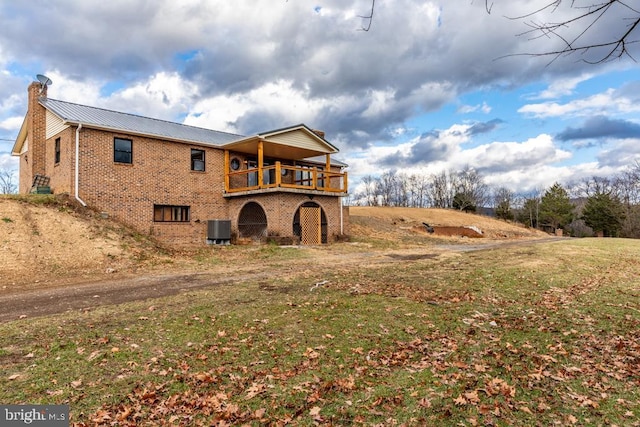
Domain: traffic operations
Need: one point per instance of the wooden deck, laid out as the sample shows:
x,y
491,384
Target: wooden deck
x,y
279,176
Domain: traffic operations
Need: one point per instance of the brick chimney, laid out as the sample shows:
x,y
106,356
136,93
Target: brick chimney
x,y
36,128
319,133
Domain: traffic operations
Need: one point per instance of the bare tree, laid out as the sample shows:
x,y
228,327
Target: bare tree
x,y
8,184
441,190
575,32
529,213
628,186
418,190
503,201
370,194
386,188
595,185
470,189
369,18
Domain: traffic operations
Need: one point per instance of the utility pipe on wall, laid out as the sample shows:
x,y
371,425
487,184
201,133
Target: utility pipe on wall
x,y
341,217
78,164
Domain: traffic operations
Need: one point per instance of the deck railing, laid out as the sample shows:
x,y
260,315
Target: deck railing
x,y
286,176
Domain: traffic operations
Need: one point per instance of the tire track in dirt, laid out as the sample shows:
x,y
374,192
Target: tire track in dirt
x,y
88,295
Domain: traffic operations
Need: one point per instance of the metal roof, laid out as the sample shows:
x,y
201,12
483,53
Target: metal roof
x,y
72,113
124,122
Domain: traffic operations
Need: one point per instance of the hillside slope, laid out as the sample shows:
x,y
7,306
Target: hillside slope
x,y
391,222
45,238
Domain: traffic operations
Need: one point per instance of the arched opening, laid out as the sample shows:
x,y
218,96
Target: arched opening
x,y
252,221
310,224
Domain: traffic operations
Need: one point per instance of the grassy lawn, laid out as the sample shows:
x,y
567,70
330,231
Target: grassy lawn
x,y
547,334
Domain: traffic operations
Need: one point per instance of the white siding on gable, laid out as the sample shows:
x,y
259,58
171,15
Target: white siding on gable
x,y
55,124
25,146
300,139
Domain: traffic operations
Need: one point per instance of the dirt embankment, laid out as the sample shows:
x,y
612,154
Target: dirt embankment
x,y
49,239
390,222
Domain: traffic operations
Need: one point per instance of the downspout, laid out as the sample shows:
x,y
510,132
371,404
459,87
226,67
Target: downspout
x,y
341,216
342,211
78,163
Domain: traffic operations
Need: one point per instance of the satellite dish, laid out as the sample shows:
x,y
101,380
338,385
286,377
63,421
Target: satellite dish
x,y
44,81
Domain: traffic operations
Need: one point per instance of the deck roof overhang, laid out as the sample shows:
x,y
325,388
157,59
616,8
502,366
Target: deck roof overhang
x,y
294,143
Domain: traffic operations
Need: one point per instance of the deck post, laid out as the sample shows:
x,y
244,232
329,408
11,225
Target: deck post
x,y
260,163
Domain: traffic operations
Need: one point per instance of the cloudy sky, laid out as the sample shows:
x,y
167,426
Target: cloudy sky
x,y
432,86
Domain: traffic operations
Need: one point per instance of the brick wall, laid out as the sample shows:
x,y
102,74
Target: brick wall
x,y
160,174
62,174
36,121
281,208
33,161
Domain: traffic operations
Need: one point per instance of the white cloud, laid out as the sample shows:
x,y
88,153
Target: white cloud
x,y
609,101
503,156
12,124
9,162
222,112
164,96
466,109
67,88
562,86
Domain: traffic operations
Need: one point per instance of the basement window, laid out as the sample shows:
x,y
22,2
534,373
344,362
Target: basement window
x,y
56,148
197,160
168,213
122,150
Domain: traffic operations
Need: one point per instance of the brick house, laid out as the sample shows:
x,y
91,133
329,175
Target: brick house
x,y
178,182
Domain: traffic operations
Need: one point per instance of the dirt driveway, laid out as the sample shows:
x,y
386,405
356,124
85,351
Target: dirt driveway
x,y
64,297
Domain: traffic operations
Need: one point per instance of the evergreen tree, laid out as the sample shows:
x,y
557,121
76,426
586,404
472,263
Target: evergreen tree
x,y
604,213
556,209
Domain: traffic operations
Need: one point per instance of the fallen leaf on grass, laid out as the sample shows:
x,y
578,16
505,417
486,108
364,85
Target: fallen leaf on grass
x,y
255,390
124,414
94,355
472,397
315,413
13,377
460,400
425,403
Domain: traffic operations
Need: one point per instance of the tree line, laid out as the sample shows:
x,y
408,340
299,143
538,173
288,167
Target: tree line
x,y
606,206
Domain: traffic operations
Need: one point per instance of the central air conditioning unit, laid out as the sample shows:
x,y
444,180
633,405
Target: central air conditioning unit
x,y
219,231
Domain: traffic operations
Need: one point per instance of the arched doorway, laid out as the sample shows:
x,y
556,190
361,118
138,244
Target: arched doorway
x,y
252,221
310,224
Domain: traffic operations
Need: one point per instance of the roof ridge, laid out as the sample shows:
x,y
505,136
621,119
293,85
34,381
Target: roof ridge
x,y
141,116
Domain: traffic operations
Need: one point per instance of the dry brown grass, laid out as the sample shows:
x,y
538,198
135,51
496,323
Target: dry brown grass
x,y
388,222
